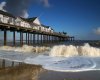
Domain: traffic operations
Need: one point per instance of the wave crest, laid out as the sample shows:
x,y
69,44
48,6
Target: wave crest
x,y
69,51
25,48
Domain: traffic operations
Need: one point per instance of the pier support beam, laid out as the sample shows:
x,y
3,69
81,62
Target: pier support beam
x,y
26,37
5,37
46,38
52,39
37,38
3,63
41,38
33,38
12,64
14,38
21,38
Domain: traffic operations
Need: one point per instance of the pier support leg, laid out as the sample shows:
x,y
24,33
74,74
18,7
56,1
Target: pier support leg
x,y
49,39
21,38
52,39
12,64
5,37
41,38
26,37
46,38
14,44
33,38
37,38
3,63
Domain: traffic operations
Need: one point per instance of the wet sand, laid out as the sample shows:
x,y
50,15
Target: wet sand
x,y
52,75
33,72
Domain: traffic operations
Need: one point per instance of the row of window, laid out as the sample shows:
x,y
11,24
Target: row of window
x,y
19,22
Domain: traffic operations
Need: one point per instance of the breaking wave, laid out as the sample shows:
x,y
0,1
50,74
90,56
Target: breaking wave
x,y
65,58
25,49
69,51
69,58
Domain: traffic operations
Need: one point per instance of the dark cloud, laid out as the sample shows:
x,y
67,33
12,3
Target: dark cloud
x,y
18,7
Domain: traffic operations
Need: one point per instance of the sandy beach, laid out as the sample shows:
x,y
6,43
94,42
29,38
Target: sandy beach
x,y
32,72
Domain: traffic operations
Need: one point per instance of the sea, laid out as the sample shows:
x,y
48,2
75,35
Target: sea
x,y
57,61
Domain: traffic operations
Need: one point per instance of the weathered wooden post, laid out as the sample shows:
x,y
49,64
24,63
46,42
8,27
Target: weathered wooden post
x,y
21,38
52,39
3,63
14,36
49,38
12,65
5,37
33,38
30,38
37,38
26,37
41,38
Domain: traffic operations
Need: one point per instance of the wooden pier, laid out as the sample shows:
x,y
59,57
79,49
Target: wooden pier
x,y
33,36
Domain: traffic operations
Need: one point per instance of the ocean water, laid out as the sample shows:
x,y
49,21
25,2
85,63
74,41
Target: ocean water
x,y
62,57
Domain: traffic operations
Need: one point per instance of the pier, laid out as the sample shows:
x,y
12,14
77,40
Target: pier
x,y
32,28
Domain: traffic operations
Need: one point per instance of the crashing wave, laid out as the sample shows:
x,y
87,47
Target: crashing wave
x,y
69,51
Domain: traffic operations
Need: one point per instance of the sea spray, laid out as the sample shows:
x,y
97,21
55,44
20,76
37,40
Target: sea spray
x,y
70,50
25,49
65,58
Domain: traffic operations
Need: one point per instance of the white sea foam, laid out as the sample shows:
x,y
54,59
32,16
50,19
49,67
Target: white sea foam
x,y
69,58
61,58
69,51
25,49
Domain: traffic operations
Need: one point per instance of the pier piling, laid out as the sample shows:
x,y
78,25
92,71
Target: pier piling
x,y
5,37
14,43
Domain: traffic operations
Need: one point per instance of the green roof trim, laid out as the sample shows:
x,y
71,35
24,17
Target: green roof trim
x,y
31,19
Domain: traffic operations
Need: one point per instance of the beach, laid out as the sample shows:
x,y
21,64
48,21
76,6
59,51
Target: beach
x,y
31,66
33,72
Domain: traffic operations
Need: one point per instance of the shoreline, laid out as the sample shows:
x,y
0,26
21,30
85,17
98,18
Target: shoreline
x,y
33,72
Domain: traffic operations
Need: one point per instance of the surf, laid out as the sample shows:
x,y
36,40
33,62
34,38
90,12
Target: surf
x,y
69,58
63,58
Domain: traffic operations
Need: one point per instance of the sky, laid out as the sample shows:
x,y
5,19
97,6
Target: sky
x,y
79,18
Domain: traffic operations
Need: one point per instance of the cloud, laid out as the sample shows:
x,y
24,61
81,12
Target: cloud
x,y
45,3
2,5
25,14
20,7
97,31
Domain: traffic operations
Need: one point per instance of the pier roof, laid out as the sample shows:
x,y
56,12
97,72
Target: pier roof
x,y
45,26
31,19
6,13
